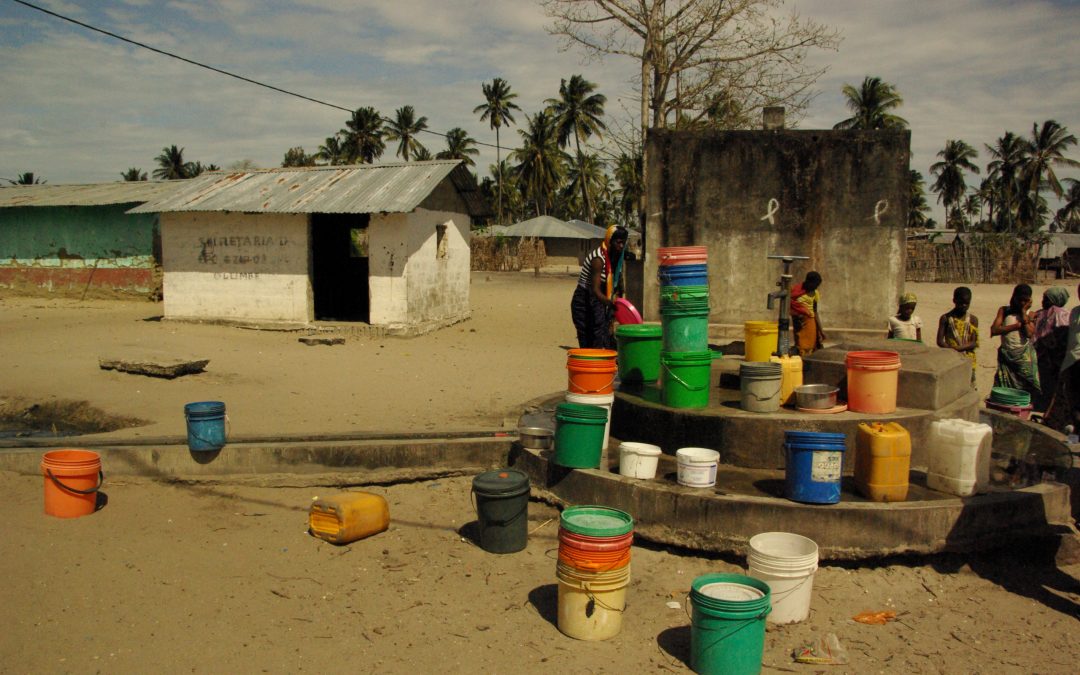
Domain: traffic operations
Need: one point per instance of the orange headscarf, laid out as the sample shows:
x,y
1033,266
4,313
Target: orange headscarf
x,y
613,268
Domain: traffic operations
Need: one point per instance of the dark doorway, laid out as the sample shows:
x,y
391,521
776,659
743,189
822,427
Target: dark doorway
x,y
339,266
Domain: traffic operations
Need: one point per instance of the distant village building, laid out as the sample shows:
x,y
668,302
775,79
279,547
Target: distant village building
x,y
385,244
78,240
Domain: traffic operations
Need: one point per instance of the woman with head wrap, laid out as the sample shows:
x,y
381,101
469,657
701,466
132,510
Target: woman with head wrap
x,y
1018,368
1065,407
593,305
1051,329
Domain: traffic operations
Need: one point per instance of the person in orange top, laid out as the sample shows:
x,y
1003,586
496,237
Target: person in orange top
x,y
805,318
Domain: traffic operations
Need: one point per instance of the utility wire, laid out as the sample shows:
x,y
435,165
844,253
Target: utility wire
x,y
208,67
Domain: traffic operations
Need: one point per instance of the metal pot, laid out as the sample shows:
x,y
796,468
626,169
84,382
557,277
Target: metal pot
x,y
816,396
536,438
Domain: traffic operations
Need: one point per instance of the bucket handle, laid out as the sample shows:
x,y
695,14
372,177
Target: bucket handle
x,y
101,480
476,510
228,432
609,385
748,622
680,380
765,398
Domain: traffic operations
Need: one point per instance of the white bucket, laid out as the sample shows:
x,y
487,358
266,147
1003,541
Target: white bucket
x,y
638,460
760,386
787,563
697,466
603,400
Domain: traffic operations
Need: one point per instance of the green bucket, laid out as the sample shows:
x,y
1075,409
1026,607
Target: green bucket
x,y
596,521
684,378
579,435
675,295
727,624
686,329
1009,396
639,351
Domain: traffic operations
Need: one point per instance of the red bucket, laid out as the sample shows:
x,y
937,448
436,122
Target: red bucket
x,y
682,255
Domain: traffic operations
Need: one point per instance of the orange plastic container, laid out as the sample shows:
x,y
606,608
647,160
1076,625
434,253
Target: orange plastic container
x,y
594,554
872,379
591,376
344,518
882,461
72,481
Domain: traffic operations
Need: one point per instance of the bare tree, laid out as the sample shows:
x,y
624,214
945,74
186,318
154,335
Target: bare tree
x,y
700,56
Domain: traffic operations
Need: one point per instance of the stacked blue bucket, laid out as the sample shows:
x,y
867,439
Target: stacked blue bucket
x,y
685,359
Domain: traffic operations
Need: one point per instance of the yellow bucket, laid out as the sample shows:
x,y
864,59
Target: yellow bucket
x,y
760,340
591,604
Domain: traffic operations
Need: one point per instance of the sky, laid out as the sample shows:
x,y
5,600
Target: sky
x,y
80,107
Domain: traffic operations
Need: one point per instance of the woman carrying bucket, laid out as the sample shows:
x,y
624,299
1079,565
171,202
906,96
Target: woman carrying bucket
x,y
593,304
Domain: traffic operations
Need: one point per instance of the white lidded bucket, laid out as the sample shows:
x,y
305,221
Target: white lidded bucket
x,y
603,400
638,460
697,466
787,563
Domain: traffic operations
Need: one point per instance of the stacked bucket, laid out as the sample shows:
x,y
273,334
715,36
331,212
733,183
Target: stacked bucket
x,y
685,359
593,570
590,393
1013,401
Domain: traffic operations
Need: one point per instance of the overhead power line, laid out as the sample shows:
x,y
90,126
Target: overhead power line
x,y
209,67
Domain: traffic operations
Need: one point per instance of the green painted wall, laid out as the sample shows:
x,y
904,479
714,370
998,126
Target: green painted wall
x,y
96,233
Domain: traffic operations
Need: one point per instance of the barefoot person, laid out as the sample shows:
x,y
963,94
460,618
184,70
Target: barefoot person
x,y
805,318
592,306
1018,366
958,328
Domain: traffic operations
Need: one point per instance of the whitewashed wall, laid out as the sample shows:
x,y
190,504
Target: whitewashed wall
x,y
409,283
236,266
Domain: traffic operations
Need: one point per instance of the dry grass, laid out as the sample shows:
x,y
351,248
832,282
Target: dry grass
x,y
507,254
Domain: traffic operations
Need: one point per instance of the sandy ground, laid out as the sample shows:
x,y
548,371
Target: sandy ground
x,y
170,578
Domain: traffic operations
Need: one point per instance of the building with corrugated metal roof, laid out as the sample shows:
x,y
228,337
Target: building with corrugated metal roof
x,y
77,240
386,244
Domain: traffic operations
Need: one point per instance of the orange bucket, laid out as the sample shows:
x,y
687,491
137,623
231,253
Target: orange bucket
x,y
594,554
872,379
72,481
591,376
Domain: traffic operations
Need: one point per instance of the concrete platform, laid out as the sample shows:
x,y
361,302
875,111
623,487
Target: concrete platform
x,y
745,502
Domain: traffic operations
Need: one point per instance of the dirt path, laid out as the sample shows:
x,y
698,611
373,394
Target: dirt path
x,y
171,578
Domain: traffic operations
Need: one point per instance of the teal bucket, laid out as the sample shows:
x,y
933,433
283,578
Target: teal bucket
x,y
579,435
205,425
685,328
639,352
727,624
684,378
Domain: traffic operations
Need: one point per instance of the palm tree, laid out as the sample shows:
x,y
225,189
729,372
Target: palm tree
x,y
333,151
540,162
421,154
404,128
133,175
578,112
171,164
585,177
498,102
917,206
950,184
1042,153
972,209
1002,172
296,157
459,145
870,106
364,136
1068,216
27,178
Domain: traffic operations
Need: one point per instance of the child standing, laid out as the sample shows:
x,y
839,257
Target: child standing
x,y
959,329
805,318
905,325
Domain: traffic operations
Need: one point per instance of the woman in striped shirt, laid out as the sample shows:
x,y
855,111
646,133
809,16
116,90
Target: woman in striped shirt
x,y
593,304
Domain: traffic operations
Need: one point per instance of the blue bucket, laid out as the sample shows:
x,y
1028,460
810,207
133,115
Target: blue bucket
x,y
684,275
205,425
815,463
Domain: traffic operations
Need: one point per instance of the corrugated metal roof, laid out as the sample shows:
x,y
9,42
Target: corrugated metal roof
x,y
96,194
550,226
367,188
